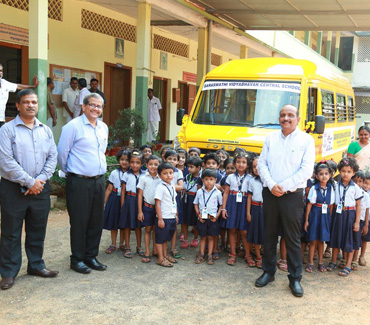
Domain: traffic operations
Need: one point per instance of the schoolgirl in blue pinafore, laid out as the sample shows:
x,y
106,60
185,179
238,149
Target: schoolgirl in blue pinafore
x,y
256,232
319,222
113,207
236,211
129,211
342,222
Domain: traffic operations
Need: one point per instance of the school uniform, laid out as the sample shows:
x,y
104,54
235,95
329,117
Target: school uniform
x,y
208,203
256,233
342,233
190,190
167,195
365,204
320,218
112,209
178,176
129,211
148,185
236,211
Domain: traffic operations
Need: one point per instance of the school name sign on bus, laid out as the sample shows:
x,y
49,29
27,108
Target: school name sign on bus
x,y
281,86
337,139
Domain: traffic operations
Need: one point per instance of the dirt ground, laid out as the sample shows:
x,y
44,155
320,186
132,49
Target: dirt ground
x,y
131,292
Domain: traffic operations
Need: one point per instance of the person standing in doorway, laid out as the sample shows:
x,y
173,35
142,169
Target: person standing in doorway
x,y
69,98
81,155
82,86
154,106
94,88
28,158
52,110
285,165
7,87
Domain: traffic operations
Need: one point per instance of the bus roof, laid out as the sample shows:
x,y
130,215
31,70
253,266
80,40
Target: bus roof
x,y
275,68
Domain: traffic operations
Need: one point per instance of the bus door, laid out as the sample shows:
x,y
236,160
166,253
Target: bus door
x,y
312,111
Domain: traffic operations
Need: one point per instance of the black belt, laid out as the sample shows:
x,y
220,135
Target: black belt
x,y
83,176
298,190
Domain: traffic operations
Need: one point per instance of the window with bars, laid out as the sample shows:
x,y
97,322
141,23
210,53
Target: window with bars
x,y
341,108
351,109
55,7
328,106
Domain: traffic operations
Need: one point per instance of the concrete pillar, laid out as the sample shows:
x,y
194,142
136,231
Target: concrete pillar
x,y
243,51
307,38
292,32
142,63
319,42
328,44
202,55
38,51
337,45
209,45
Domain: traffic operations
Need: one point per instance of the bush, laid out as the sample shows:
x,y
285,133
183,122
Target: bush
x,y
130,124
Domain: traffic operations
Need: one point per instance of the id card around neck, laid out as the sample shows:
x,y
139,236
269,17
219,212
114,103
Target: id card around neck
x,y
239,197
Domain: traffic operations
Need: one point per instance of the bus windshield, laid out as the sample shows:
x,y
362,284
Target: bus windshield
x,y
245,103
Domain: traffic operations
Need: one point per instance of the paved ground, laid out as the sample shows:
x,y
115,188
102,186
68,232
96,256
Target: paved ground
x,y
131,292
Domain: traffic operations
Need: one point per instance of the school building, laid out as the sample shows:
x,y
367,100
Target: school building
x,y
169,45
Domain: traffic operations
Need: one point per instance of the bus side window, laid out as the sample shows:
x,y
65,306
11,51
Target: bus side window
x,y
328,107
312,104
341,108
351,108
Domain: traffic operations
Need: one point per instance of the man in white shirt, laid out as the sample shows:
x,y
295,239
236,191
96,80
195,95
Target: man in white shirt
x,y
5,88
154,106
69,98
82,86
286,163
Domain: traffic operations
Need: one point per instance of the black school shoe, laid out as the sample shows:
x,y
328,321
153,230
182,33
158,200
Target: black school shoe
x,y
295,286
95,264
80,267
264,279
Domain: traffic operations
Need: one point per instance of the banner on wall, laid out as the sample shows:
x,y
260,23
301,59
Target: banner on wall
x,y
337,139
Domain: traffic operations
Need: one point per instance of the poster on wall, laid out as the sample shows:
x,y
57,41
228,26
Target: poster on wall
x,y
164,60
119,48
58,75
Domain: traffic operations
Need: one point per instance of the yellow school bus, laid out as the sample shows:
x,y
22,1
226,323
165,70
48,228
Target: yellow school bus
x,y
238,104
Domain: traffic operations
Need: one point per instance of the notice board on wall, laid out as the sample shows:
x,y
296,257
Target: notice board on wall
x,y
62,76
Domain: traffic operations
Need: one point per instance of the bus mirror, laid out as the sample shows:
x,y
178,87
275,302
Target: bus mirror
x,y
319,124
180,116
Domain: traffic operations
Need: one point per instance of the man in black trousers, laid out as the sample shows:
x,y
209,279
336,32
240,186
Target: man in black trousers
x,y
28,157
286,163
81,155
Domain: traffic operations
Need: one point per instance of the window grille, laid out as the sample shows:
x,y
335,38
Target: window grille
x,y
108,26
171,46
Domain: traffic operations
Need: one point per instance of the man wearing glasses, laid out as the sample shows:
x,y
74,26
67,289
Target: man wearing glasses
x,y
81,155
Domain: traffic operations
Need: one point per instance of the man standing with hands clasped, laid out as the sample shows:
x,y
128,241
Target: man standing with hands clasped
x,y
81,155
285,165
28,157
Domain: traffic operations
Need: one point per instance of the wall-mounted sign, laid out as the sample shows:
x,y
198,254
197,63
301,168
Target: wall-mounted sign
x,y
14,34
188,76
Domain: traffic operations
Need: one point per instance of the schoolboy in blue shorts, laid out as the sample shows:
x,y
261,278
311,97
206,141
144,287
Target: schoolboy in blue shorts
x,y
166,209
207,205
